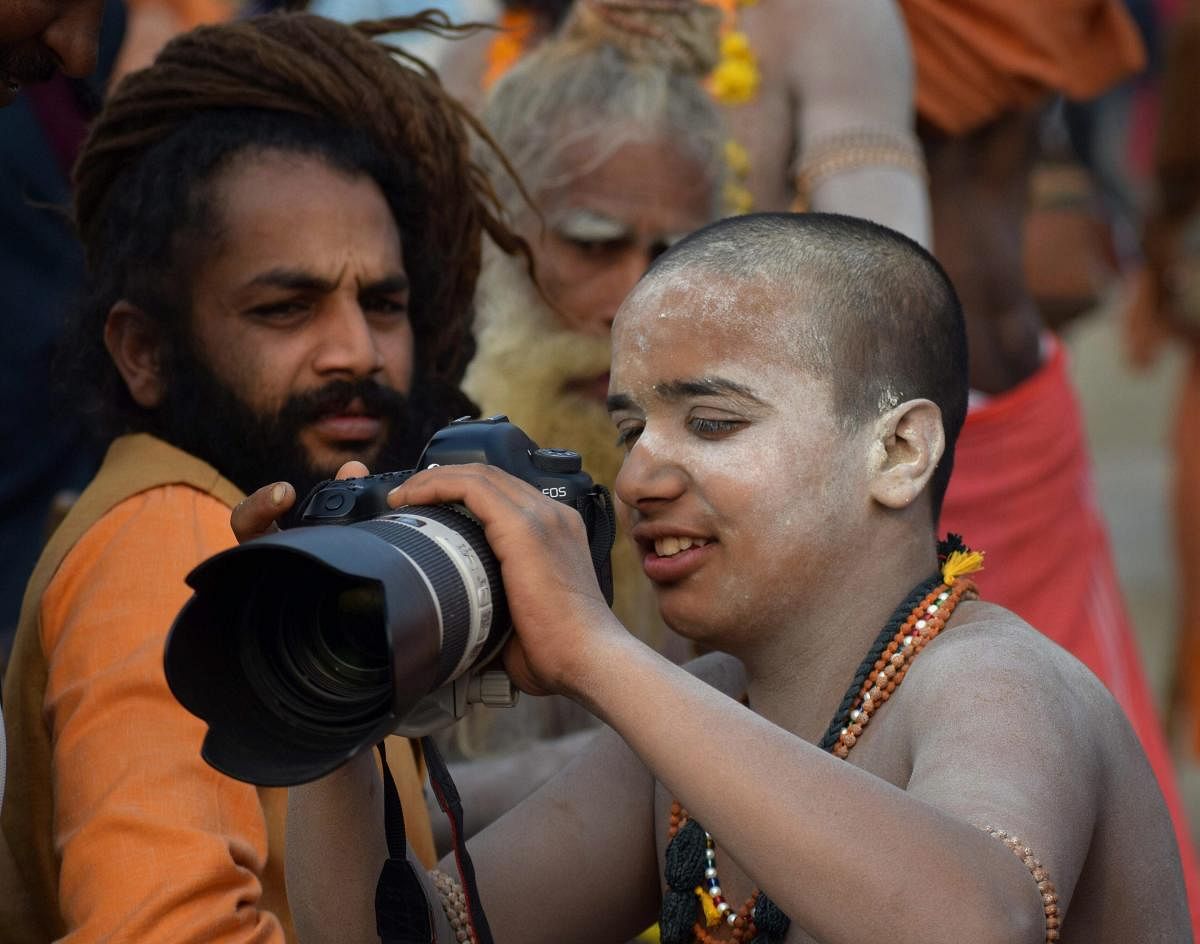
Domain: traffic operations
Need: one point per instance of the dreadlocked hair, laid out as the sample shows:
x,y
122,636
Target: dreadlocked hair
x,y
302,84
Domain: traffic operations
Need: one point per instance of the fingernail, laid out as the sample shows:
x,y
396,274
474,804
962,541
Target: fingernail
x,y
277,493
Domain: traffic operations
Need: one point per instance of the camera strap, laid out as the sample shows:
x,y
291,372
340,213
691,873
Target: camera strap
x,y
596,507
401,907
402,911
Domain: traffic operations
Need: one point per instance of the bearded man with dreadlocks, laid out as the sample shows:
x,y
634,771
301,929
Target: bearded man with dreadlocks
x,y
282,227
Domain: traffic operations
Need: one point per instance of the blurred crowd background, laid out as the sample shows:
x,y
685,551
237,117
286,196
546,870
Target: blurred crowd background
x,y
1112,254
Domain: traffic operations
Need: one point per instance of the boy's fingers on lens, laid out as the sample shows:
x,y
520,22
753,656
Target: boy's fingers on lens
x,y
258,512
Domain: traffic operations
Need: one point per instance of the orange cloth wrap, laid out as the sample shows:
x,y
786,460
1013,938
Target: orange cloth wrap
x,y
977,59
1022,492
117,828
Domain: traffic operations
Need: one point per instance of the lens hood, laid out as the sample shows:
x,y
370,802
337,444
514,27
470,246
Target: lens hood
x,y
228,654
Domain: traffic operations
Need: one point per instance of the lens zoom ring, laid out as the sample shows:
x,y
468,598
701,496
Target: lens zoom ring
x,y
471,530
447,583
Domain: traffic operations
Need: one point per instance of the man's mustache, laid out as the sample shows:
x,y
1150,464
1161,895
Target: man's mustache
x,y
335,397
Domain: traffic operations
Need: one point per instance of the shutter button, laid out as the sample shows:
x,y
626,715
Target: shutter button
x,y
562,461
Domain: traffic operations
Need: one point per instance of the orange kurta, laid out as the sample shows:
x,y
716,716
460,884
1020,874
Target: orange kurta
x,y
119,830
1022,492
977,59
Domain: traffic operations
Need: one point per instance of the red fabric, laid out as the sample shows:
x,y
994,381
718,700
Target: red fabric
x,y
1022,493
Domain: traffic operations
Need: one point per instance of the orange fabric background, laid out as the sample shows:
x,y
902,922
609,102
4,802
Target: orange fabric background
x,y
976,59
148,844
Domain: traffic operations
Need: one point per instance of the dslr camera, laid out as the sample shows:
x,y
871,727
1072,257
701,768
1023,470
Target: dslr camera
x,y
301,648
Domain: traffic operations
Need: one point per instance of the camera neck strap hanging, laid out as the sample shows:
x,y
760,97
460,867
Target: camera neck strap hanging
x,y
402,910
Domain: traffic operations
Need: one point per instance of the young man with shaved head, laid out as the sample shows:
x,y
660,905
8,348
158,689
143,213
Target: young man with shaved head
x,y
871,749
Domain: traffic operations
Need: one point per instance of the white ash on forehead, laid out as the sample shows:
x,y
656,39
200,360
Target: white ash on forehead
x,y
753,308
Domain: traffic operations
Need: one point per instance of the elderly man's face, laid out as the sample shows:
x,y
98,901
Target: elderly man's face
x,y
608,223
38,37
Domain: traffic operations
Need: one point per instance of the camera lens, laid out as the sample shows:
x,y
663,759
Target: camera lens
x,y
349,644
321,658
304,646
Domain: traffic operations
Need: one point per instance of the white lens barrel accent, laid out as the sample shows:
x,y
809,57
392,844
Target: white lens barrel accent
x,y
474,577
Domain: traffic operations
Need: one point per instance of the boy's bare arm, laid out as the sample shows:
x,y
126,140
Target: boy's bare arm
x,y
1013,733
574,862
335,850
490,786
814,832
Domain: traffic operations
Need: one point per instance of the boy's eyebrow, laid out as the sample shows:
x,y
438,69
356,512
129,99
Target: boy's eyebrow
x,y
681,389
705,387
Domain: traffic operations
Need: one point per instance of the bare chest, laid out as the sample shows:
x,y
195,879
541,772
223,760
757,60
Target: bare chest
x,y
879,751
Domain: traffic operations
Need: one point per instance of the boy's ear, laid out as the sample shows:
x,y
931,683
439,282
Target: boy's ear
x,y
909,442
135,345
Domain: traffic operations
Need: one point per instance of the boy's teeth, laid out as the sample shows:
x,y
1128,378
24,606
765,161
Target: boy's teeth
x,y
668,547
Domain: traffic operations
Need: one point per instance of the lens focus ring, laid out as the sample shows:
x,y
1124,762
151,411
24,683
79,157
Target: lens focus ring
x,y
446,580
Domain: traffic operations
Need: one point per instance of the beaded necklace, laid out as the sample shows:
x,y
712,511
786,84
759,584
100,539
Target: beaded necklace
x,y
694,900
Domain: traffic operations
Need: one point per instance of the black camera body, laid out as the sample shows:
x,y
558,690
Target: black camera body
x,y
301,648
494,441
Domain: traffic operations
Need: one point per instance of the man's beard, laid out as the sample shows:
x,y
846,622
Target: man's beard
x,y
27,63
203,416
526,363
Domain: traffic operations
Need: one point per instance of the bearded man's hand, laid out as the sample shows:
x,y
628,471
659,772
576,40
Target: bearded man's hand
x,y
259,513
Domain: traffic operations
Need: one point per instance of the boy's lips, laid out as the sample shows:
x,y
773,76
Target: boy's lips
x,y
668,553
677,566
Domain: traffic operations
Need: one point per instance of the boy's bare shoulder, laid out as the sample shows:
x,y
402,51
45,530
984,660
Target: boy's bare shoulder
x,y
990,662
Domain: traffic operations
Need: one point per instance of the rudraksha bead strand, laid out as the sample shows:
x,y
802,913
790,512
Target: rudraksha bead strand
x,y
923,625
1045,887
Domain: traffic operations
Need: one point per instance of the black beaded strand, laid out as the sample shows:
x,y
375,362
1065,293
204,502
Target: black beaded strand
x,y
841,717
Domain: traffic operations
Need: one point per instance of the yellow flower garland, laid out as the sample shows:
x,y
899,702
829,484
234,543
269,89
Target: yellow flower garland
x,y
735,80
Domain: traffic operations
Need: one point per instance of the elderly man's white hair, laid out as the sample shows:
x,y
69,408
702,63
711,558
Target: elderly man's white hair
x,y
615,73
